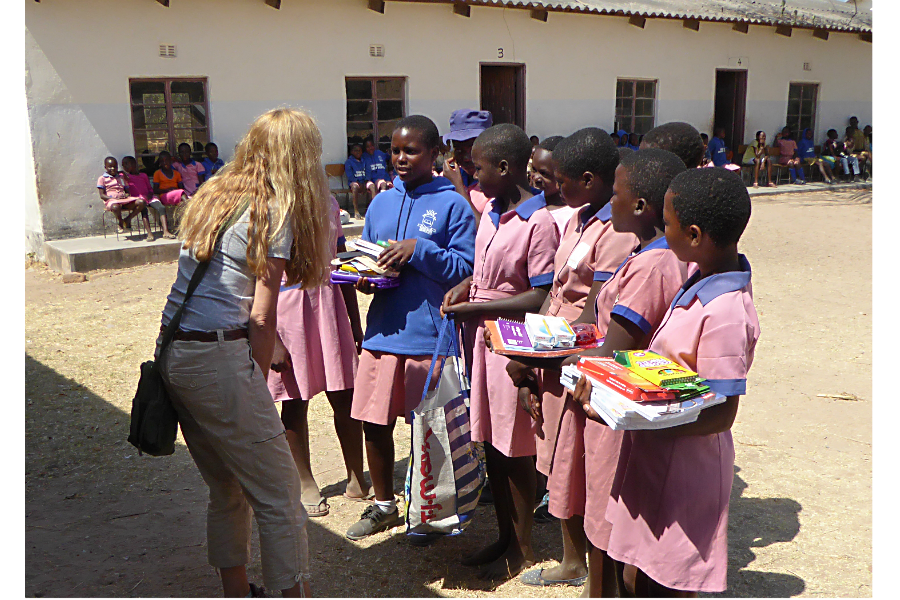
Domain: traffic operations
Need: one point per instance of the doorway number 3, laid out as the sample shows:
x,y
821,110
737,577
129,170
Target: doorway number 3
x,y
499,52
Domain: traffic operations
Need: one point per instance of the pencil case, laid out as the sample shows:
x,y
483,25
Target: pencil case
x,y
381,283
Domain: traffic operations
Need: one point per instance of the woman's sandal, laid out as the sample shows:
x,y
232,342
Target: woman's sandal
x,y
169,236
318,509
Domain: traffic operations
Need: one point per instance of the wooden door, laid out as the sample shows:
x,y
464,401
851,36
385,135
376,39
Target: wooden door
x,y
731,106
503,93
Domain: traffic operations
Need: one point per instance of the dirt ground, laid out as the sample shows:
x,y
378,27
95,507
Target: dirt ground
x,y
102,521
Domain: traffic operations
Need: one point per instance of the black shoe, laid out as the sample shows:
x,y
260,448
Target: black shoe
x,y
257,591
486,498
542,512
373,520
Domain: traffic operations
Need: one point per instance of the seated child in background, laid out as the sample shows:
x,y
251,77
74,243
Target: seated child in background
x,y
718,153
683,475
114,192
634,142
355,170
706,157
212,163
192,172
806,150
376,169
755,155
167,183
543,179
679,138
853,146
833,151
789,157
139,185
623,138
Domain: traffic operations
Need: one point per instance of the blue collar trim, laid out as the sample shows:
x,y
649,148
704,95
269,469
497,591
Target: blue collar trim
x,y
709,288
659,244
604,214
524,210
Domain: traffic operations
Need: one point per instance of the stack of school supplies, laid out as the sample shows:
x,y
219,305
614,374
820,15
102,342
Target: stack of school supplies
x,y
626,400
361,261
540,335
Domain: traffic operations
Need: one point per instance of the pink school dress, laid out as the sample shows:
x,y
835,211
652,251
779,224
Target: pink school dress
x,y
315,328
669,501
190,174
589,251
514,252
640,291
114,189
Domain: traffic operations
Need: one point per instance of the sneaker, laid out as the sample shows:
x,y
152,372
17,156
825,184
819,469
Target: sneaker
x,y
373,520
542,512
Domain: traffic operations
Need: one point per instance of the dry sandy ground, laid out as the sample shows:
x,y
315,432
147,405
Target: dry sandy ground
x,y
102,521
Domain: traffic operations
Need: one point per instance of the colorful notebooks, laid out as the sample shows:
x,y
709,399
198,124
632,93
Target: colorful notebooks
x,y
622,380
512,338
655,368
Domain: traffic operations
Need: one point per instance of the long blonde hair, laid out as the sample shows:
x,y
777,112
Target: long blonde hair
x,y
277,167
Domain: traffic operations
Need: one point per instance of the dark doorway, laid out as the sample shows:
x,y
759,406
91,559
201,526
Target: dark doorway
x,y
503,93
731,104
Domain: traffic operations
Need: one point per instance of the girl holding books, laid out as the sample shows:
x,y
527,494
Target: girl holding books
x,y
514,251
590,250
684,474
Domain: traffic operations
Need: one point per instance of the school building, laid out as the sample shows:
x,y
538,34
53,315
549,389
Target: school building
x,y
134,77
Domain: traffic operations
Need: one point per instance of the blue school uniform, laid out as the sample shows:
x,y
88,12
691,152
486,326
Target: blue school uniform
x,y
806,148
376,165
355,170
211,166
405,320
718,152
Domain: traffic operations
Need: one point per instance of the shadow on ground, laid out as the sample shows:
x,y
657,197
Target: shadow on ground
x,y
102,521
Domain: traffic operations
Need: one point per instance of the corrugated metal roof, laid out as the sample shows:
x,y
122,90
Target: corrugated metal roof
x,y
832,15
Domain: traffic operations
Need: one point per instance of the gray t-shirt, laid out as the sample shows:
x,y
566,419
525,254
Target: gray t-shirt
x,y
224,296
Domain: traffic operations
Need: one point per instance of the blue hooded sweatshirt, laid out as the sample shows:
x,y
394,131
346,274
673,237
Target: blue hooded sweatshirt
x,y
355,170
405,319
376,165
806,148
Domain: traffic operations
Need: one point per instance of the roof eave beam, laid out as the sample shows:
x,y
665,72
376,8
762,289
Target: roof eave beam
x,y
741,27
638,21
866,36
164,3
462,9
784,30
692,24
276,4
377,6
822,34
539,15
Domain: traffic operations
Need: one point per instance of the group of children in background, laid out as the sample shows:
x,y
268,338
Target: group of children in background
x,y
131,191
367,173
854,149
637,240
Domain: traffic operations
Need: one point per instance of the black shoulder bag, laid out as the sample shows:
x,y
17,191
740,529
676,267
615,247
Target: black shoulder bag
x,y
154,422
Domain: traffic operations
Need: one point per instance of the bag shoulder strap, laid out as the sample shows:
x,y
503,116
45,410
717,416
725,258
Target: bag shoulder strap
x,y
199,272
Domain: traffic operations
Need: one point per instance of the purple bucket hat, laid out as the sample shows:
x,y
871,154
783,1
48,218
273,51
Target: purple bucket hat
x,y
467,124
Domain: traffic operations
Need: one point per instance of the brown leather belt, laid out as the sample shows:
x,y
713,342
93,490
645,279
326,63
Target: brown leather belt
x,y
228,335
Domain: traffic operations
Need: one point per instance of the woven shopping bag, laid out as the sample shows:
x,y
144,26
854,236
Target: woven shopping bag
x,y
446,468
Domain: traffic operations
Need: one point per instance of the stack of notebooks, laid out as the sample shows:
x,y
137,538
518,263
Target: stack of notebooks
x,y
640,389
541,335
360,260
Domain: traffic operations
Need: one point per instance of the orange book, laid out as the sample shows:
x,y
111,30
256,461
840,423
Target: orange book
x,y
624,381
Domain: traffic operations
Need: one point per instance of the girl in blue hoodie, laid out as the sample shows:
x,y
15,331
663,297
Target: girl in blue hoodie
x,y
431,231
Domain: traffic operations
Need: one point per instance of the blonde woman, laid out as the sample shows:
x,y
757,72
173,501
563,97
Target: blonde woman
x,y
216,367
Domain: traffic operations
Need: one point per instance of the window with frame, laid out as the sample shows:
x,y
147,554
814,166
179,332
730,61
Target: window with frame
x,y
166,112
635,105
374,106
801,111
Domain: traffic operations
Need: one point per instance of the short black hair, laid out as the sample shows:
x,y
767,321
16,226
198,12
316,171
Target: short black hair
x,y
185,144
534,137
549,144
164,153
210,145
505,142
588,150
110,158
680,138
759,132
715,200
124,158
830,132
650,171
704,137
623,152
424,126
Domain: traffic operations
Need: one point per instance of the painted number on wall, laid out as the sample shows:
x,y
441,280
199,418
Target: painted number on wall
x,y
499,52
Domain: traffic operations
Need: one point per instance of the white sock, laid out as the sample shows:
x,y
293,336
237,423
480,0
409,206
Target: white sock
x,y
387,506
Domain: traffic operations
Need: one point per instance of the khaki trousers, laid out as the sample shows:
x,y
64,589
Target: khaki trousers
x,y
236,438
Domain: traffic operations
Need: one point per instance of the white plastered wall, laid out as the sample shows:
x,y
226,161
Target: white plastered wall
x,y
80,55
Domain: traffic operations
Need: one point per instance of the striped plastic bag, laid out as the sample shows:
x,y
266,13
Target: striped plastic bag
x,y
446,468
